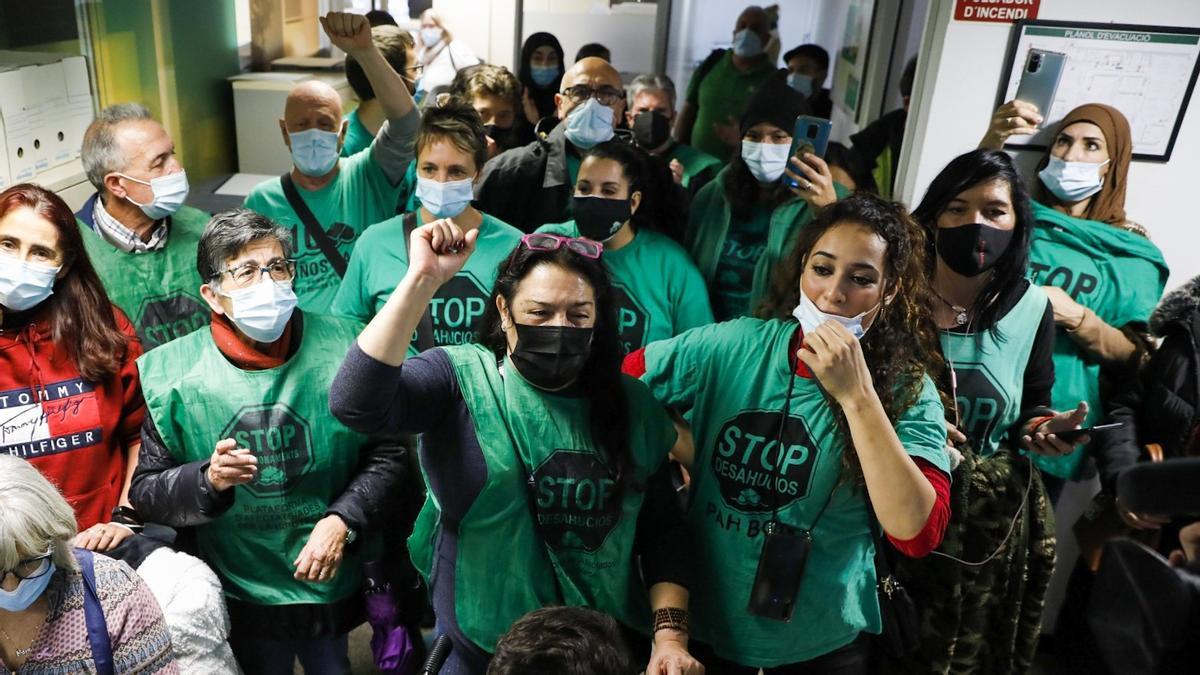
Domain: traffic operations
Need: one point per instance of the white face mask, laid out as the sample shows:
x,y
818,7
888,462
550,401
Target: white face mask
x,y
24,285
1072,181
765,160
431,36
810,316
169,192
262,311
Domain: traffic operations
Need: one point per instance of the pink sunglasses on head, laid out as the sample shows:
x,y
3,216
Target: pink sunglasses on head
x,y
552,242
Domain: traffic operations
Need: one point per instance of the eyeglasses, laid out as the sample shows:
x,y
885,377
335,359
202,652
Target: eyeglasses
x,y
30,568
248,274
552,242
604,95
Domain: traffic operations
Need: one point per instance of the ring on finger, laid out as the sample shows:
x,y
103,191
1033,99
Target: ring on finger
x,y
807,186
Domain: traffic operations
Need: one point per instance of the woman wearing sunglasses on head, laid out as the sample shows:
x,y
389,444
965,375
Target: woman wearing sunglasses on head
x,y
807,431
617,202
544,463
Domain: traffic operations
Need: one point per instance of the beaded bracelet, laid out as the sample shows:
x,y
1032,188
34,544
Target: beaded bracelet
x,y
672,618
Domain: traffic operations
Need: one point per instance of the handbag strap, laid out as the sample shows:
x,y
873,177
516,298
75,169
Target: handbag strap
x,y
93,614
424,337
312,226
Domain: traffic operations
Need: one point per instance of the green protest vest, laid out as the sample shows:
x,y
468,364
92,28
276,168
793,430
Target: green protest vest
x,y
708,228
1117,274
305,456
989,368
158,290
733,376
584,536
658,291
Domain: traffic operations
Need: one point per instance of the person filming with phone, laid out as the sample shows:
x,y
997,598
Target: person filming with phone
x,y
742,222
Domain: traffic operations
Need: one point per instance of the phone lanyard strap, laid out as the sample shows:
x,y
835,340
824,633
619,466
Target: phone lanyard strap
x,y
777,474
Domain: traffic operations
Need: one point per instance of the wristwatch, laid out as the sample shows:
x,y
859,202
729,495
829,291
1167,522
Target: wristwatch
x,y
351,535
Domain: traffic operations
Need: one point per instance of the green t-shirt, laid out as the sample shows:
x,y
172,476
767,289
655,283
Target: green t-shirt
x,y
734,280
358,138
733,377
381,259
721,94
659,291
1117,274
357,197
695,163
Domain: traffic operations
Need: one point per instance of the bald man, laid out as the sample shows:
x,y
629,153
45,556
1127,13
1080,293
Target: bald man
x,y
327,200
722,86
532,186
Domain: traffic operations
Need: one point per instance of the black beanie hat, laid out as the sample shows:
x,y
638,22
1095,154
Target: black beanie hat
x,y
775,102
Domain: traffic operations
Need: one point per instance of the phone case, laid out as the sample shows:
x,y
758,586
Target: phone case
x,y
810,131
780,569
1040,77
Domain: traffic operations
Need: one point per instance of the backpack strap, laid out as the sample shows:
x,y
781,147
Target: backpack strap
x,y
424,337
97,626
312,227
710,62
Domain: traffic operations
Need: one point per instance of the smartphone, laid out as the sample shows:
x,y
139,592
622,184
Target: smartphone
x,y
780,568
1075,434
1040,78
811,134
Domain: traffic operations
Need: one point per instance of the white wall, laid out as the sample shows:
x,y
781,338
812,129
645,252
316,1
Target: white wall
x,y
485,26
626,29
955,94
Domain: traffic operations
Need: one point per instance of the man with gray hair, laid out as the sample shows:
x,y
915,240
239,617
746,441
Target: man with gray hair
x,y
238,444
651,113
327,200
137,232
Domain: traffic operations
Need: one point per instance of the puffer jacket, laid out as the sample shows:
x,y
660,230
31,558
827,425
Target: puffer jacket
x,y
1162,406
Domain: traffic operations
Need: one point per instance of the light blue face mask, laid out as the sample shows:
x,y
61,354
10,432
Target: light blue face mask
x,y
314,151
24,285
1072,181
27,591
801,83
747,44
810,316
543,76
589,124
445,200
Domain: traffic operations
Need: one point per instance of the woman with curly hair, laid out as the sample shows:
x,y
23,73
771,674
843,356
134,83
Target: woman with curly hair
x,y
806,431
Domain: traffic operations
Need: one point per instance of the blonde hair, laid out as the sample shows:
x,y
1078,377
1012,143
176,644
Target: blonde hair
x,y
34,516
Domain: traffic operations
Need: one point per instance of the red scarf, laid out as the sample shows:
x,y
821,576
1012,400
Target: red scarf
x,y
245,356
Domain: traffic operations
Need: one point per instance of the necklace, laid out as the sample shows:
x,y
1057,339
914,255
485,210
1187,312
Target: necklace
x,y
961,315
21,653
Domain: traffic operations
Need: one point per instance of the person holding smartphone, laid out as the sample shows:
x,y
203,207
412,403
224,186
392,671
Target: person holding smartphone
x,y
545,464
810,424
996,332
1100,270
742,223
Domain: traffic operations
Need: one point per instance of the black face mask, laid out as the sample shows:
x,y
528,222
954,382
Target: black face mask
x,y
599,218
651,129
972,249
551,357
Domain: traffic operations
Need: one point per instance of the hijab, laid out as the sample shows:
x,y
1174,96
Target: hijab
x,y
1107,205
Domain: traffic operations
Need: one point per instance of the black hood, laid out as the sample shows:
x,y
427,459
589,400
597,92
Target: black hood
x,y
1180,306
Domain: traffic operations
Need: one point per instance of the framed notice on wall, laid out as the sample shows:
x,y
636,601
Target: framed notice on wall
x,y
1146,72
851,63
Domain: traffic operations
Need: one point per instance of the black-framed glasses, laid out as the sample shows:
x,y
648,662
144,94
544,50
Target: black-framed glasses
x,y
29,568
552,242
603,95
248,274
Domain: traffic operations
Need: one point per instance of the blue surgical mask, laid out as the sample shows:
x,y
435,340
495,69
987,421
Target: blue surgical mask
x,y
24,285
810,316
765,160
445,200
543,76
1072,181
169,192
589,124
431,36
263,310
27,591
314,151
801,83
747,44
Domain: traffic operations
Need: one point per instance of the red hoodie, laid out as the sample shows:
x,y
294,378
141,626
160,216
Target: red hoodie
x,y
75,432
